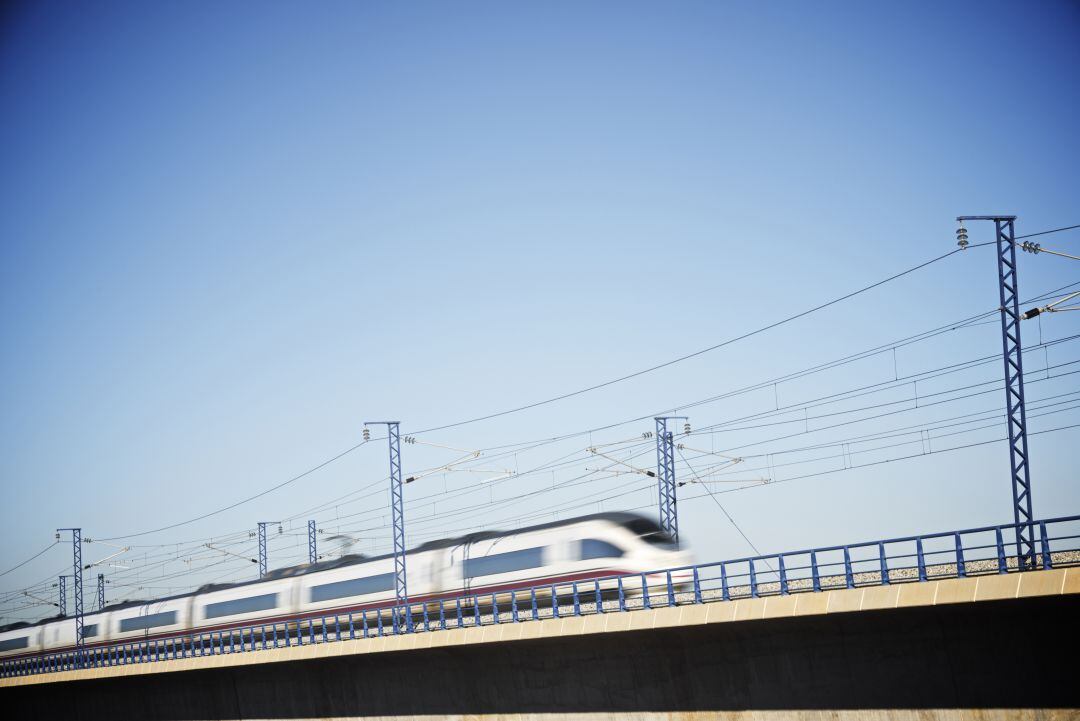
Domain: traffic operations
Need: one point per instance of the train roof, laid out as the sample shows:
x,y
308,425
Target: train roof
x,y
641,525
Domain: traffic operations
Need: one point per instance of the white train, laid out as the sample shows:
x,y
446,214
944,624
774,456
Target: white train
x,y
558,553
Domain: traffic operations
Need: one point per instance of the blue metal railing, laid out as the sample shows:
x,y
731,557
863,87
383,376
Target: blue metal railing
x,y
954,554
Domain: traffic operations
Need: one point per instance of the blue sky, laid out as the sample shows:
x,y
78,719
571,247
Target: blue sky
x,y
233,232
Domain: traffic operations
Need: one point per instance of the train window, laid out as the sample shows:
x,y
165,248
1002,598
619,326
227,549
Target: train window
x,y
595,548
651,533
504,562
11,644
352,587
89,630
141,623
240,605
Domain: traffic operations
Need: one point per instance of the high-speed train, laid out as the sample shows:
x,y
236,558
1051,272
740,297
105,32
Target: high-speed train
x,y
603,544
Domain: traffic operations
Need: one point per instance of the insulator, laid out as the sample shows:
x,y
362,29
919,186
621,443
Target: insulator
x,y
1031,247
646,435
680,446
962,236
367,434
686,428
410,439
280,529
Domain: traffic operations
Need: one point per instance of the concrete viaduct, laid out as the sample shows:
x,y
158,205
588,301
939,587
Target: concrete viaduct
x,y
990,647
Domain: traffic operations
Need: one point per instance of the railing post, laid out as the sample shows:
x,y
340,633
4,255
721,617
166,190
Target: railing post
x,y
724,592
961,569
646,601
577,601
884,565
1003,566
554,602
921,559
442,614
622,595
697,586
814,575
849,577
513,606
535,608
1047,560
670,590
753,580
494,608
783,576
599,598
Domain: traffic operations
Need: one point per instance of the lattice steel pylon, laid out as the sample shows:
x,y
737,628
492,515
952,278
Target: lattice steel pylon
x,y
312,550
63,595
1019,459
262,547
665,477
77,568
100,591
397,508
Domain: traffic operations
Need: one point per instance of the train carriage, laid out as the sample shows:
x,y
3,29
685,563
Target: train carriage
x,y
492,567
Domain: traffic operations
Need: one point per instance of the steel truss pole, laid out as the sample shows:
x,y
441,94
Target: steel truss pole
x,y
313,555
397,508
63,595
1012,354
665,477
262,546
100,591
76,544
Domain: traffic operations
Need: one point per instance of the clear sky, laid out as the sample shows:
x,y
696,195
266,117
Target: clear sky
x,y
232,232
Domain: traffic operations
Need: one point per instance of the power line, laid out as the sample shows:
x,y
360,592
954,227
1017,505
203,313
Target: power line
x,y
36,555
717,502
711,348
1046,232
797,374
231,506
350,450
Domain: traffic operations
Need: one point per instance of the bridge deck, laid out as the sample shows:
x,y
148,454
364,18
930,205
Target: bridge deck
x,y
1030,584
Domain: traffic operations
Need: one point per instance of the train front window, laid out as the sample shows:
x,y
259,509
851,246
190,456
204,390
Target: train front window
x,y
651,533
595,548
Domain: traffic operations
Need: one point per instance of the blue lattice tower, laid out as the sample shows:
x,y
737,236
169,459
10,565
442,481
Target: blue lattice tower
x,y
397,507
76,544
262,546
63,595
100,591
312,550
1019,459
665,477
